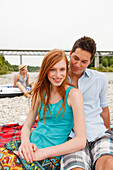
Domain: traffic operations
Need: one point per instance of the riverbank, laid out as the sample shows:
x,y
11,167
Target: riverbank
x,y
14,110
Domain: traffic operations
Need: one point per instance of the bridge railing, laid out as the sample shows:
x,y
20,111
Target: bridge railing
x,y
43,53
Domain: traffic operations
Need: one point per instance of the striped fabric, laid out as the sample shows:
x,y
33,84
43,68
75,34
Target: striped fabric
x,y
87,157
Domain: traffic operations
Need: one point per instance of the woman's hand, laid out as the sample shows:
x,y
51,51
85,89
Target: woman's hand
x,y
27,151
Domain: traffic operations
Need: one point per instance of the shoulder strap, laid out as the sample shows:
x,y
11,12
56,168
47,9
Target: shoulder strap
x,y
68,90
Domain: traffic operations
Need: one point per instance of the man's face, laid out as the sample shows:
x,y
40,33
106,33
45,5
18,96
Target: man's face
x,y
79,61
24,70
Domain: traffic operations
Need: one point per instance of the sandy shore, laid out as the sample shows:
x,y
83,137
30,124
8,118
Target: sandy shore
x,y
14,110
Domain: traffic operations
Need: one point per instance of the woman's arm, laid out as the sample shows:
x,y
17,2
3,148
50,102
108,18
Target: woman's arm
x,y
79,141
26,148
26,130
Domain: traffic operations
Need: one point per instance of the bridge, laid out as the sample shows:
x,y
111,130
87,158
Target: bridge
x,y
21,53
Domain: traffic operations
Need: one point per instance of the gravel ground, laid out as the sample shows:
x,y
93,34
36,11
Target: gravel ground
x,y
14,110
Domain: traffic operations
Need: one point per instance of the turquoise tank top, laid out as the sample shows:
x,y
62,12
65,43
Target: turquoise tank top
x,y
56,129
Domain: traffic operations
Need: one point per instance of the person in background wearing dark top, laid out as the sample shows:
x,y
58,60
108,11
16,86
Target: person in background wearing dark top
x,y
21,79
98,153
59,106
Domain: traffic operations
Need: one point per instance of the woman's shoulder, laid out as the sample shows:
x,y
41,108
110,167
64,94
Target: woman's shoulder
x,y
74,95
73,91
70,87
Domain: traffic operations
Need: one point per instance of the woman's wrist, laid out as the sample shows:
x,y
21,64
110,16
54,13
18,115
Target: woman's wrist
x,y
25,141
41,154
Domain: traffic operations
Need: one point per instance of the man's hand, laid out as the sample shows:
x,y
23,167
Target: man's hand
x,y
106,117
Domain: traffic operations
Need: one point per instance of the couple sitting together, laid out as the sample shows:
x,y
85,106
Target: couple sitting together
x,y
73,131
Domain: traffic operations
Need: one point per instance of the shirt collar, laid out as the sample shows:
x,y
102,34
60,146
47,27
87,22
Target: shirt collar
x,y
87,73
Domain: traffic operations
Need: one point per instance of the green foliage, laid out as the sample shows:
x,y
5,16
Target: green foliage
x,y
15,68
104,62
1,60
30,68
3,69
92,63
106,65
109,58
111,62
5,66
103,69
33,68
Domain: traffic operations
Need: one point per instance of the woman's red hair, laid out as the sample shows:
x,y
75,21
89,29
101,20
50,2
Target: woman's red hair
x,y
42,85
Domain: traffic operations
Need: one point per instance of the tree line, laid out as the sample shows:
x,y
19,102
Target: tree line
x,y
105,65
6,67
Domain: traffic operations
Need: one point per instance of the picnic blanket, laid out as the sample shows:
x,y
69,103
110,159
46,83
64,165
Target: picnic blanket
x,y
11,132
9,141
10,137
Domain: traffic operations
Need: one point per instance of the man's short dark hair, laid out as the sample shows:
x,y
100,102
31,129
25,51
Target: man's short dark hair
x,y
85,43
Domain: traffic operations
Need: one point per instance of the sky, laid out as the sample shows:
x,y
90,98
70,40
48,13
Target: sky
x,y
49,24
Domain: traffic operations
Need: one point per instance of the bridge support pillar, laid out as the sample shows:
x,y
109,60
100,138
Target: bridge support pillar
x,y
97,60
20,59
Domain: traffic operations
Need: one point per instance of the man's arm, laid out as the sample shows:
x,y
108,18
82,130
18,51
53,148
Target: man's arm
x,y
16,78
106,117
104,102
27,81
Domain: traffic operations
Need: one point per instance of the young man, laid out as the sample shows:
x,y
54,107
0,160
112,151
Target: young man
x,y
21,79
98,153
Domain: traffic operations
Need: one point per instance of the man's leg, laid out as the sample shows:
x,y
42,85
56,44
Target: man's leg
x,y
102,152
22,88
104,163
77,169
79,160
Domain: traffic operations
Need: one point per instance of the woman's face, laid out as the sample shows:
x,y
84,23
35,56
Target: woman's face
x,y
57,73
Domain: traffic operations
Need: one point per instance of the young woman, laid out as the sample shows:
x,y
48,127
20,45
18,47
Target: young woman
x,y
59,106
